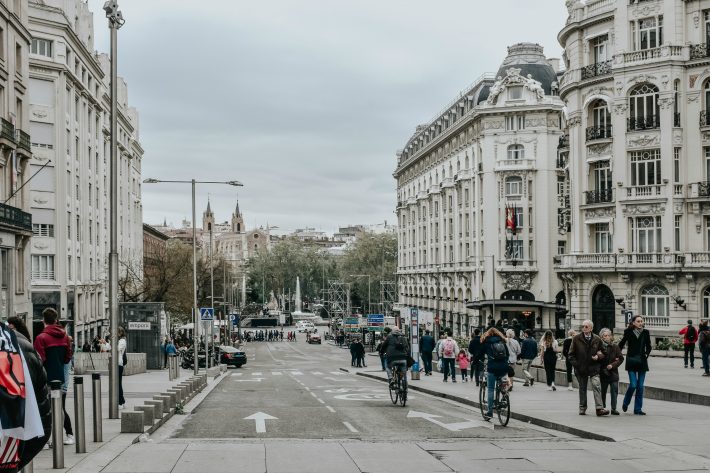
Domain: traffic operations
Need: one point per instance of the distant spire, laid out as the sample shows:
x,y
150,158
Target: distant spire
x,y
165,222
237,212
209,209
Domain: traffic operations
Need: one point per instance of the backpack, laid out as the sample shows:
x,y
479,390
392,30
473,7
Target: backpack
x,y
448,348
499,352
399,342
691,334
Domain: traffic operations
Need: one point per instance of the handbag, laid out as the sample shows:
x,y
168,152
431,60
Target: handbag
x,y
125,359
439,365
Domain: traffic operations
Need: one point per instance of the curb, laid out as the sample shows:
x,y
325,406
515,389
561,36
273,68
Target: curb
x,y
515,415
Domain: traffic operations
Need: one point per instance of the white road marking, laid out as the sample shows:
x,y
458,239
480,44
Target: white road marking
x,y
454,427
330,409
307,388
236,374
321,401
277,373
314,395
297,373
350,427
256,373
260,419
337,373
252,380
318,373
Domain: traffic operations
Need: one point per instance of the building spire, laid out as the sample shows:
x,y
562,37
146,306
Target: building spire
x,y
209,209
237,212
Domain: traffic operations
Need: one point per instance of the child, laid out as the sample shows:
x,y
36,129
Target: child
x,y
462,359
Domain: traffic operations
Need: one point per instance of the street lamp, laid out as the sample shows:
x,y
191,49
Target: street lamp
x,y
195,312
115,21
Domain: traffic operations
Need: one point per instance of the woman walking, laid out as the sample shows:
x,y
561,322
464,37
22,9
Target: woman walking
x,y
548,354
609,373
122,361
639,348
513,353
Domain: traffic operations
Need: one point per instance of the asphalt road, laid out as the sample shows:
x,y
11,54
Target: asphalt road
x,y
296,390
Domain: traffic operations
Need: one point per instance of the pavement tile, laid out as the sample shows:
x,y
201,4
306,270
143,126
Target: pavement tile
x,y
383,458
206,458
296,457
147,457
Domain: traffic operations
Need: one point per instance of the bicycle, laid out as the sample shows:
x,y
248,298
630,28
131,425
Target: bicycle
x,y
501,405
398,385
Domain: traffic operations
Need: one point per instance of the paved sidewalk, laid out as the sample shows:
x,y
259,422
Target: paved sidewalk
x,y
137,389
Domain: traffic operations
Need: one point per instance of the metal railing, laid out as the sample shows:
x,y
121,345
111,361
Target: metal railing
x,y
7,130
699,51
598,132
704,118
24,141
14,217
643,123
676,119
595,70
599,196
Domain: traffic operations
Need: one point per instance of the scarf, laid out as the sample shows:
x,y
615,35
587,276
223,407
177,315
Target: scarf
x,y
637,332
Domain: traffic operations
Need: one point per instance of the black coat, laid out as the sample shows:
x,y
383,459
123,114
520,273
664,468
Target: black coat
x,y
639,348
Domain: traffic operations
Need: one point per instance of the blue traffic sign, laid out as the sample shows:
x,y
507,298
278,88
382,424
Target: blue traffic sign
x,y
206,313
234,318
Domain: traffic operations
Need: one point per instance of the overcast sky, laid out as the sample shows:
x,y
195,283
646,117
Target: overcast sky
x,y
304,101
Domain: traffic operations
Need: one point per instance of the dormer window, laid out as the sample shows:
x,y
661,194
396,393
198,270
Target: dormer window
x,y
515,93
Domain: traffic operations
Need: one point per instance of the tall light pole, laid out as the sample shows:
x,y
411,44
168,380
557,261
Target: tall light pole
x,y
210,342
115,21
195,310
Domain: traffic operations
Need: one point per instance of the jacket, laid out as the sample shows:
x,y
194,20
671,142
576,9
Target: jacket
x,y
444,343
54,348
39,380
613,357
581,352
639,348
686,339
513,350
495,367
704,339
427,344
475,350
390,347
565,347
528,349
462,360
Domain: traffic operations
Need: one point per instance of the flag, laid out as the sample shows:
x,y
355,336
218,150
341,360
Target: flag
x,y
510,219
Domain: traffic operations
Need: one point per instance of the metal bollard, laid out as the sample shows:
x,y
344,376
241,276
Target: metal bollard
x,y
57,425
79,421
96,392
176,367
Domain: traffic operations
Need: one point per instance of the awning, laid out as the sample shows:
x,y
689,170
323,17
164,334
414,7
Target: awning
x,y
504,303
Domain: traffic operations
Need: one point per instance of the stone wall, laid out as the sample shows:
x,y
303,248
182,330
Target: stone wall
x,y
87,362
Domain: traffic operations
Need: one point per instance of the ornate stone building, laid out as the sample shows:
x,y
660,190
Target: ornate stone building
x,y
637,90
478,196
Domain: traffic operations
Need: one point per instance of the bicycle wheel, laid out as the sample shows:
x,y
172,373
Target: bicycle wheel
x,y
482,399
403,394
503,408
394,388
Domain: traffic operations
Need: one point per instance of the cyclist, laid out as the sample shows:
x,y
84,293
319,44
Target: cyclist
x,y
396,349
496,350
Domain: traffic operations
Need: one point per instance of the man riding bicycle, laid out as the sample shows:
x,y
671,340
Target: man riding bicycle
x,y
396,349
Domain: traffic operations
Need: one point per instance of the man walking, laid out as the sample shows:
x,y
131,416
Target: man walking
x,y
528,352
704,344
585,354
690,336
475,351
426,346
448,349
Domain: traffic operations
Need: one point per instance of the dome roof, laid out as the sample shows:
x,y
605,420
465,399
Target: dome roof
x,y
530,59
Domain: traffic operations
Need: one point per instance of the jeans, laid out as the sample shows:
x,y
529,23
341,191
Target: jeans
x,y
477,371
121,399
613,387
568,366
689,349
67,419
426,359
402,366
491,379
596,391
706,359
382,360
449,368
636,380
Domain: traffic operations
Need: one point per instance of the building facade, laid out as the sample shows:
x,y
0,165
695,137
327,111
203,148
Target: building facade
x,y
637,90
16,224
478,197
70,126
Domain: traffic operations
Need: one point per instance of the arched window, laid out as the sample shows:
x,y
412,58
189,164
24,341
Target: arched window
x,y
706,303
643,107
513,186
655,305
516,152
600,121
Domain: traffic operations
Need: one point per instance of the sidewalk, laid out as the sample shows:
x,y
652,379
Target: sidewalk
x,y
137,389
668,426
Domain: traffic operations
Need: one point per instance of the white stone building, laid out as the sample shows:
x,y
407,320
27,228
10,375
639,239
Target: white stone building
x,y
637,90
491,154
70,126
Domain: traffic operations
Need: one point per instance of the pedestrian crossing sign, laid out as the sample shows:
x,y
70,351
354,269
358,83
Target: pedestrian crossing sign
x,y
206,313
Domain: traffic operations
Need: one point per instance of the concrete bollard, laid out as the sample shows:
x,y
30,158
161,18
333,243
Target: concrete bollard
x,y
148,414
57,425
173,398
158,405
177,393
132,422
166,400
96,399
79,422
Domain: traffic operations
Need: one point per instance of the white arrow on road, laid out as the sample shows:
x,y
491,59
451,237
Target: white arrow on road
x,y
455,427
260,419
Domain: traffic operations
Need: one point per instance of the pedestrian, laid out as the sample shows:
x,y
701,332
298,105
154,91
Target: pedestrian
x,y
96,344
475,351
565,354
69,438
381,353
495,349
122,362
462,360
86,347
360,354
164,351
548,354
353,354
690,337
609,373
585,354
513,352
437,348
637,353
704,345
426,347
447,352
528,352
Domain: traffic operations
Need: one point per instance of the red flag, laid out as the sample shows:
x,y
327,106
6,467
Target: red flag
x,y
509,218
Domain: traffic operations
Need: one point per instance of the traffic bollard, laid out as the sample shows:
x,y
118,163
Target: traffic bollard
x,y
171,367
96,391
57,425
79,422
176,367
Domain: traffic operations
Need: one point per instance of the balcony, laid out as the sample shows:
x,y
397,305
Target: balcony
x,y
649,260
656,321
599,196
564,142
561,162
7,130
699,51
644,192
24,141
704,118
598,132
643,123
665,52
596,70
587,260
13,217
698,260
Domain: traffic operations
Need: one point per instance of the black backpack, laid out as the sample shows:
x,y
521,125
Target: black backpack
x,y
691,334
498,349
399,342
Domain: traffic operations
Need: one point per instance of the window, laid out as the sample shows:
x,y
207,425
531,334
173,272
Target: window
x,y
69,225
560,186
4,268
600,51
602,176
515,92
707,163
18,59
515,122
516,152
676,164
514,249
602,238
561,247
78,229
646,234
707,233
42,267
643,107
646,167
706,302
601,121
655,303
514,186
41,47
43,229
676,232
647,33
2,44
20,271
69,270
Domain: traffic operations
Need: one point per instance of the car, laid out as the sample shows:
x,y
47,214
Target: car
x,y
231,356
314,338
303,326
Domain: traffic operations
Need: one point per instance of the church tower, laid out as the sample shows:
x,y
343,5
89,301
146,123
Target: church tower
x,y
237,221
207,219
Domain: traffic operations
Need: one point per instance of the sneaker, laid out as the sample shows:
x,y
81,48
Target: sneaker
x,y
602,412
453,380
614,412
640,413
706,374
554,388
570,387
69,440
582,412
121,406
526,384
549,388
532,381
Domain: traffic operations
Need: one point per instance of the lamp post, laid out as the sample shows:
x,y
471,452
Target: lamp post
x,y
115,21
195,311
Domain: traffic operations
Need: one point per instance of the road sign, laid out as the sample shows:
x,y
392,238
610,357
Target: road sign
x,y
375,322
206,313
351,324
235,319
138,325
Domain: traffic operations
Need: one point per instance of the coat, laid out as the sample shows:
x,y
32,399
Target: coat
x,y
475,349
54,348
495,367
581,352
639,348
427,344
613,357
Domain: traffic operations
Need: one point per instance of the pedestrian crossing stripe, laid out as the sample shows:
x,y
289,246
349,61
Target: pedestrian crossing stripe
x,y
256,373
276,373
296,373
337,373
317,373
236,374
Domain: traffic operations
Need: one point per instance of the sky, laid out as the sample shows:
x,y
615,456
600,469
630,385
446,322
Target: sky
x,y
306,102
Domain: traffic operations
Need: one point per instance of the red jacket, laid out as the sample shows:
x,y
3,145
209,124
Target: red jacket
x,y
686,339
54,348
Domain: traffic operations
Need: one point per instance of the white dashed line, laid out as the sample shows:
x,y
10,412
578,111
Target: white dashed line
x,y
276,373
350,427
314,395
330,409
321,401
297,373
317,373
307,388
256,373
236,374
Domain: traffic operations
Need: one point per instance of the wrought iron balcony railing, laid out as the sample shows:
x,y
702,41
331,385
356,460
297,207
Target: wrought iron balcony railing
x,y
598,132
564,142
643,123
7,130
24,140
595,70
705,118
14,217
599,196
699,51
